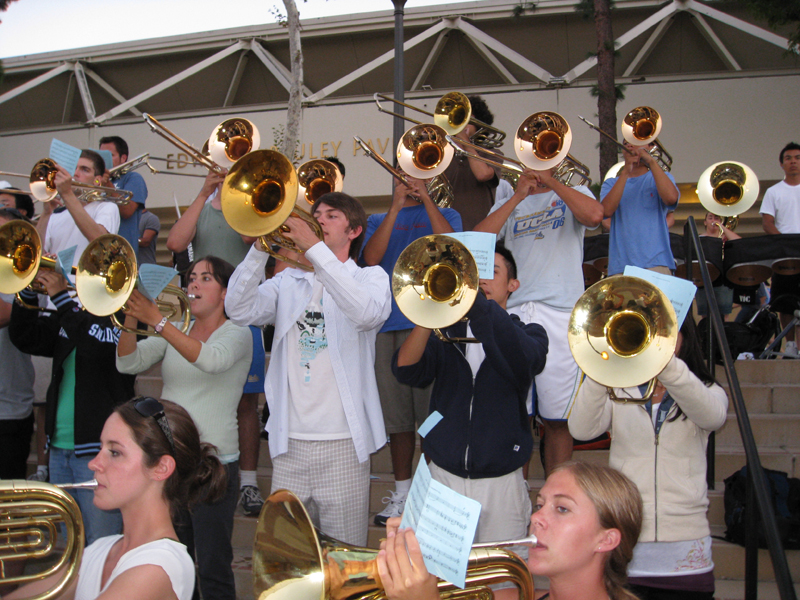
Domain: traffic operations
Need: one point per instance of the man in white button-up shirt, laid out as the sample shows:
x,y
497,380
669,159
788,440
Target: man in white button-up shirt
x,y
325,414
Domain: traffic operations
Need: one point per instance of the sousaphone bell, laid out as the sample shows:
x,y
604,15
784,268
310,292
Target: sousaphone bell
x,y
622,333
728,189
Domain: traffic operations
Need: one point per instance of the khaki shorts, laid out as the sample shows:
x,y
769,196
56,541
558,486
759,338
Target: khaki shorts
x,y
404,407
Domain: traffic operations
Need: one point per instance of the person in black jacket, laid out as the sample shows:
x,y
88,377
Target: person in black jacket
x,y
84,388
483,439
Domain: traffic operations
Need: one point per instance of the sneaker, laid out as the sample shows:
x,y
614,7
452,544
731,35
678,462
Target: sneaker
x,y
251,501
394,508
39,475
791,350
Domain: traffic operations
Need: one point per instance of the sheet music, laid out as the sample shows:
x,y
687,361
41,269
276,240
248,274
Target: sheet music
x,y
679,291
481,245
153,279
65,155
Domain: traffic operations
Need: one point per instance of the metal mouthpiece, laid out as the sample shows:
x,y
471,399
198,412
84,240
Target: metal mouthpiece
x,y
83,485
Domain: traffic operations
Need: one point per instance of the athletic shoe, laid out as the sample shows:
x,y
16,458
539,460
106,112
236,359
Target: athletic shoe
x,y
791,350
39,475
251,500
394,508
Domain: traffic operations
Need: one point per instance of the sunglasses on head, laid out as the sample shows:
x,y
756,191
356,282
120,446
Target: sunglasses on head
x,y
150,407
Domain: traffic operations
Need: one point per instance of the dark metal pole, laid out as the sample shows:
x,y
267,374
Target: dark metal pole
x,y
399,70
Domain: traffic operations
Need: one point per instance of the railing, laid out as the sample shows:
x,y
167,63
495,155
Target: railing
x,y
756,481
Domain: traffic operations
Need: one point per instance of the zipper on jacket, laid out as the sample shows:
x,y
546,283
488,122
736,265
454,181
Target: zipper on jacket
x,y
466,450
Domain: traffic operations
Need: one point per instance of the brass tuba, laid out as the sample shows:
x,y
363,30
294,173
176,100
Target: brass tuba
x,y
259,193
30,516
294,561
435,282
728,189
622,333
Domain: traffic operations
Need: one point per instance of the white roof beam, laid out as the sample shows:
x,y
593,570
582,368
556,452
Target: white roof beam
x,y
503,50
68,99
110,90
86,95
274,66
29,85
749,28
649,46
716,43
168,83
431,59
377,62
490,58
625,38
236,79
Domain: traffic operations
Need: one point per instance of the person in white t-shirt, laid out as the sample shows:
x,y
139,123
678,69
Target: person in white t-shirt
x,y
77,223
325,412
780,213
151,463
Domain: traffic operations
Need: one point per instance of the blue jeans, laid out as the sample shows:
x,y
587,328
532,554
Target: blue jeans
x,y
65,467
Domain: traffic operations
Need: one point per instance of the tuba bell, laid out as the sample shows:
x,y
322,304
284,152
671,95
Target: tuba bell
x,y
622,333
435,282
728,189
294,561
31,514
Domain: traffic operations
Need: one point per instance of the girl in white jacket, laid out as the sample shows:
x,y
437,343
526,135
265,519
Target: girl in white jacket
x,y
661,446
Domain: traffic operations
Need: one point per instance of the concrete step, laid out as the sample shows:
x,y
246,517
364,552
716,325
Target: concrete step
x,y
769,431
767,372
759,398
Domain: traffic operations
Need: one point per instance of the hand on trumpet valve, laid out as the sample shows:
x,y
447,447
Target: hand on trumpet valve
x,y
402,568
300,232
142,309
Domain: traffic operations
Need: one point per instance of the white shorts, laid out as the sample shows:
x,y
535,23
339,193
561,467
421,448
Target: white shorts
x,y
557,385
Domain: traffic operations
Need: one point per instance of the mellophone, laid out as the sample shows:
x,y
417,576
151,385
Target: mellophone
x,y
747,262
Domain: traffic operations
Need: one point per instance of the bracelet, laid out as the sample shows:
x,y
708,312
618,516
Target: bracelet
x,y
160,325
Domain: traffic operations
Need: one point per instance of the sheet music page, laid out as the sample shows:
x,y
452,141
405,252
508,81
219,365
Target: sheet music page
x,y
153,279
679,291
65,155
481,245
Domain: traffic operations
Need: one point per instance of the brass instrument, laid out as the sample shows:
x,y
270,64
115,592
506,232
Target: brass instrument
x,y
294,561
728,189
640,127
316,178
439,188
31,514
622,333
106,277
232,139
453,112
258,195
143,160
43,186
423,151
183,145
542,141
435,282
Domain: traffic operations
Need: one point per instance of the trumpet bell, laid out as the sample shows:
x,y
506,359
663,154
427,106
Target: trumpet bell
x,y
316,178
259,193
435,281
232,139
423,151
106,274
20,254
641,126
622,331
543,140
728,188
452,112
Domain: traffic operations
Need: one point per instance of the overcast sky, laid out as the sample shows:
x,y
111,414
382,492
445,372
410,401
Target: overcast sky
x,y
34,26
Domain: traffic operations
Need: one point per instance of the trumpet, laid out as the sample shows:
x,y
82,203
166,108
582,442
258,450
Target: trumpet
x,y
728,189
258,195
453,112
623,332
43,186
435,282
641,127
291,559
438,187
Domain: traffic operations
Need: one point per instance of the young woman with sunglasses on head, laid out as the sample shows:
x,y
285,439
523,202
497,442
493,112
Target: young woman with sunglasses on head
x,y
203,370
587,520
151,463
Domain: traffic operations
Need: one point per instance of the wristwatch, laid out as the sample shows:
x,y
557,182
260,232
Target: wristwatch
x,y
160,325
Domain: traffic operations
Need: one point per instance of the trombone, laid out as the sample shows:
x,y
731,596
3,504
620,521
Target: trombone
x,y
315,178
232,139
623,332
43,187
183,145
453,112
143,160
641,127
259,193
439,188
542,141
728,189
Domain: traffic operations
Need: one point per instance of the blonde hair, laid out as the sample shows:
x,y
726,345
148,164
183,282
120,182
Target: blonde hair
x,y
619,506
